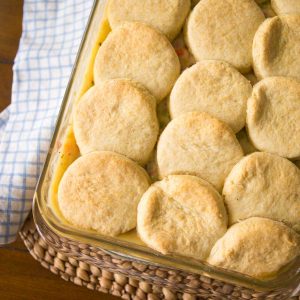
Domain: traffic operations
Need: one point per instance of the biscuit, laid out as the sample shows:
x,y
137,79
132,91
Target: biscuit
x,y
245,142
257,247
214,87
182,215
276,47
198,144
139,52
263,185
224,30
284,7
117,115
167,16
273,115
101,191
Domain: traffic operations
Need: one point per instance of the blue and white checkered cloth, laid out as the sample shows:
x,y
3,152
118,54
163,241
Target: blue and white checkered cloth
x,y
52,31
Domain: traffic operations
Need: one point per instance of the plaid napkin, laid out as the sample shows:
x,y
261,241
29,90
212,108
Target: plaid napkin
x,y
52,31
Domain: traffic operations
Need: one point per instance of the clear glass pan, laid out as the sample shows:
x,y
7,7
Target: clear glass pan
x,y
80,80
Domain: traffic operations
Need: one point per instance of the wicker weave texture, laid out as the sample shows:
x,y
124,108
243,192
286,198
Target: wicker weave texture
x,y
70,268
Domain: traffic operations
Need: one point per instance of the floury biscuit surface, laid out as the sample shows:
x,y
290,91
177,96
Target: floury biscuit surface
x,y
214,87
101,191
182,215
198,144
117,115
283,7
138,52
167,16
264,185
276,47
273,116
257,247
224,30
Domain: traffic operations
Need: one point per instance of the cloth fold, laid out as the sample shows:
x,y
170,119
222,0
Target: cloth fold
x,y
52,31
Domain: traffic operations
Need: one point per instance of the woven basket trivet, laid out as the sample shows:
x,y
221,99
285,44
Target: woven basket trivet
x,y
92,277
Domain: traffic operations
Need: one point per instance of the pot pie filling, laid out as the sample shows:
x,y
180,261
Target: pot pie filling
x,y
173,195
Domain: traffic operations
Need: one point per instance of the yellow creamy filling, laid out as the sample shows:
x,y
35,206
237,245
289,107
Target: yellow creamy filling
x,y
68,150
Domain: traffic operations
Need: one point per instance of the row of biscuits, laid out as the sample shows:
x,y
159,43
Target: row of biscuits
x,y
183,214
198,155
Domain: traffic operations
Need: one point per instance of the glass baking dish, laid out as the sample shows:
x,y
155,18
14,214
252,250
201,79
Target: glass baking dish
x,y
63,151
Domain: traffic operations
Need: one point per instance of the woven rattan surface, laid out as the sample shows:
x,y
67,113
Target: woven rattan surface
x,y
86,274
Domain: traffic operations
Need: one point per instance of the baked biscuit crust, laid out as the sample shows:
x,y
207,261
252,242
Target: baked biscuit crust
x,y
198,144
257,247
276,47
138,52
183,215
284,7
264,185
273,116
167,16
224,30
117,115
214,87
101,191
